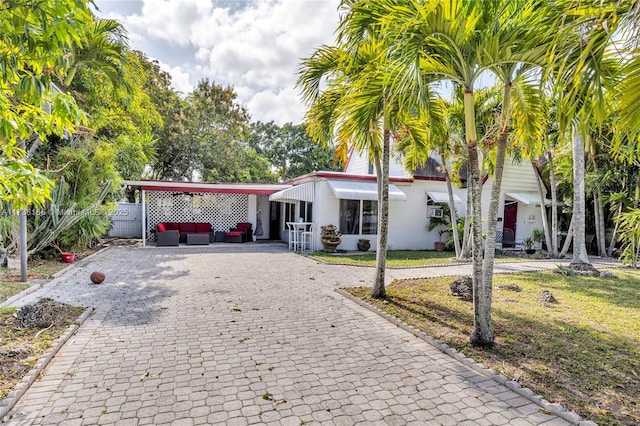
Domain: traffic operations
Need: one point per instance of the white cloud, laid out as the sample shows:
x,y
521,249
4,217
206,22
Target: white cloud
x,y
255,46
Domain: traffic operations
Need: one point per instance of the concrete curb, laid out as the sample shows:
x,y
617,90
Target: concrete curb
x,y
527,393
21,388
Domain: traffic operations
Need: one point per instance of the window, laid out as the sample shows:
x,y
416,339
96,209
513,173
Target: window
x,y
369,217
358,217
289,213
306,211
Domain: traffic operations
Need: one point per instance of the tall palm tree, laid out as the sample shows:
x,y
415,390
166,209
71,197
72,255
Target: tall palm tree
x,y
584,70
352,110
460,41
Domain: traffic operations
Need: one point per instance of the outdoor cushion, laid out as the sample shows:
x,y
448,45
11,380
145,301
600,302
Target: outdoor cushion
x,y
202,228
171,226
162,227
188,228
243,226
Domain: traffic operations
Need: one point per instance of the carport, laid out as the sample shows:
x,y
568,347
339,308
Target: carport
x,y
223,205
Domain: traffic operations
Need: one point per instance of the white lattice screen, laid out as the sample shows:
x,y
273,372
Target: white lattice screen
x,y
222,211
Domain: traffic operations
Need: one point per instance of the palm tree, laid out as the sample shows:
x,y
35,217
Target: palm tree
x,y
104,48
352,112
426,133
459,41
585,72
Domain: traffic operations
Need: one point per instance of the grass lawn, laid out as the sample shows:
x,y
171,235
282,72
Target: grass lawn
x,y
400,258
583,352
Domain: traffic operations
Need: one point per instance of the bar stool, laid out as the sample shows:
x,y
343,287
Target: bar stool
x,y
293,236
306,241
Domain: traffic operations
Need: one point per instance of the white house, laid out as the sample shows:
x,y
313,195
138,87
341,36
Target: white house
x,y
346,199
349,201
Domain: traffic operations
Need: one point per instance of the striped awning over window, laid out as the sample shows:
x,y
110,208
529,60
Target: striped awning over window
x,y
350,190
294,194
442,197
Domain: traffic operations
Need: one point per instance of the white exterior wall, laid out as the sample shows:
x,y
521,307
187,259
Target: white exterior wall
x,y
407,219
359,165
516,178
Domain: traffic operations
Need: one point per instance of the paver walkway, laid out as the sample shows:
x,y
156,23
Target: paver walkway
x,y
248,335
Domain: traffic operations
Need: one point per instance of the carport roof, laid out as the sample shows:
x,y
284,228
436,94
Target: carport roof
x,y
220,188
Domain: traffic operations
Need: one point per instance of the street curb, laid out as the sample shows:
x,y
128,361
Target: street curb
x,y
21,388
527,393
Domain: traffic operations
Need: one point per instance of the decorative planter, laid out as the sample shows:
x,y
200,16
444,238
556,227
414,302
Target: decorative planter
x,y
329,245
67,257
530,251
364,245
439,246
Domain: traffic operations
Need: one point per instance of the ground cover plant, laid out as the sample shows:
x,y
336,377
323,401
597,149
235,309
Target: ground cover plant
x,y
582,352
401,258
21,348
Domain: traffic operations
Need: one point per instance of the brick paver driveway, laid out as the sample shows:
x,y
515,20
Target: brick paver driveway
x,y
247,335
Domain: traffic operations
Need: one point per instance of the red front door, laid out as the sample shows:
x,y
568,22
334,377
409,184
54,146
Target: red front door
x,y
510,220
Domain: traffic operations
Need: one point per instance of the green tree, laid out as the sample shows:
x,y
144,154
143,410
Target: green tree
x,y
290,150
358,108
459,41
584,71
33,39
208,140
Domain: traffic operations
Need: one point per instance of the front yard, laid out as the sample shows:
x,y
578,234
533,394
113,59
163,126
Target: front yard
x,y
582,352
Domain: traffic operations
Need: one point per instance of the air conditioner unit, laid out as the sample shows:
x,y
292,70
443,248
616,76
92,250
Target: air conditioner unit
x,y
436,212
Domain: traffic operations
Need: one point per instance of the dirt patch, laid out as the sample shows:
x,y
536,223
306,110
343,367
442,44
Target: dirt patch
x,y
21,347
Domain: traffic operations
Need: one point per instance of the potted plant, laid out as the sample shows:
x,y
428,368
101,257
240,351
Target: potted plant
x,y
537,235
528,245
442,224
330,237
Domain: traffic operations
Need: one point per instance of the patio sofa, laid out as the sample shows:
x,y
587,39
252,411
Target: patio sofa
x,y
242,233
172,234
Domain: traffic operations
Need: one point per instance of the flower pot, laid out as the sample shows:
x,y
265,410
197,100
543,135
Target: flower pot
x,y
530,251
439,246
329,245
67,257
364,245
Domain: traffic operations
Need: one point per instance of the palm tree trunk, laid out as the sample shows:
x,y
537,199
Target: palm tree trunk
x,y
602,243
554,205
598,208
567,241
580,254
452,208
543,207
482,334
614,236
466,233
378,291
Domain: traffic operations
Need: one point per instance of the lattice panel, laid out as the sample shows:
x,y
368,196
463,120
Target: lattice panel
x,y
223,211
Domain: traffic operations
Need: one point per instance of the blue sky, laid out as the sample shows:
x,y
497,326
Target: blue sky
x,y
254,46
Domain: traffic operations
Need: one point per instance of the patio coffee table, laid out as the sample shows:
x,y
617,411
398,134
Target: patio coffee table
x,y
197,239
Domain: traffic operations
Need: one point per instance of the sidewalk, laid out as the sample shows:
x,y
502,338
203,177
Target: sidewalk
x,y
250,336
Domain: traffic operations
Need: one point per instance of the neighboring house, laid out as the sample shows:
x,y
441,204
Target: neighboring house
x,y
349,201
